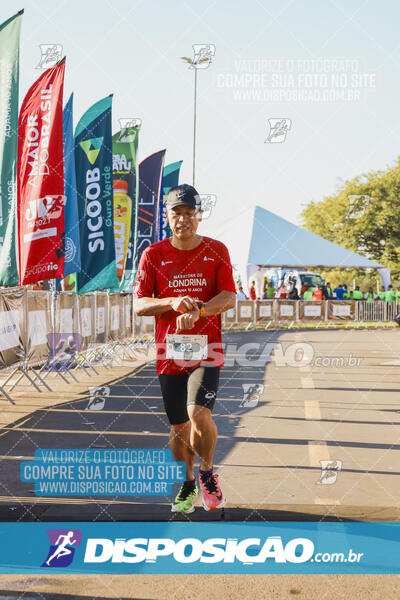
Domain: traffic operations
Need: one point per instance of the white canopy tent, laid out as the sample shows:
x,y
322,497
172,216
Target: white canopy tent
x,y
258,239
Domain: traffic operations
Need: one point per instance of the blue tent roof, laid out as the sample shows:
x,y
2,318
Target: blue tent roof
x,y
277,242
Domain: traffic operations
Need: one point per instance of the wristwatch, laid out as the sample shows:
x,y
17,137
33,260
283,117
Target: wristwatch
x,y
202,308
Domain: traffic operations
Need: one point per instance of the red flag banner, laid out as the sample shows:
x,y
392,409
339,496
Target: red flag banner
x,y
41,200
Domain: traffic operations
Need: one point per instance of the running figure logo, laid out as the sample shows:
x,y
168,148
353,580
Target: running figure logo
x,y
251,394
207,202
62,547
278,129
129,130
203,55
50,55
329,471
98,396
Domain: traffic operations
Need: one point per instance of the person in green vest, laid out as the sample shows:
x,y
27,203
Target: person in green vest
x,y
397,295
308,293
389,294
347,294
329,290
270,291
357,293
381,295
369,296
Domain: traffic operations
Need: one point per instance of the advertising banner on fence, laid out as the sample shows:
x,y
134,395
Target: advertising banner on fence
x,y
38,327
170,179
124,146
41,200
72,259
9,77
93,164
150,174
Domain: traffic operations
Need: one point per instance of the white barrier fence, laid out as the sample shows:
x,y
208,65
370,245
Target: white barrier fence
x,y
40,335
255,312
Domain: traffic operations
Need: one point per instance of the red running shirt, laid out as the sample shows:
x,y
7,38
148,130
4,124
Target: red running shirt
x,y
202,273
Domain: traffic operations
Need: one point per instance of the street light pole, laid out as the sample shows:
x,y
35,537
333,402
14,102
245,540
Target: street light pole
x,y
194,124
201,60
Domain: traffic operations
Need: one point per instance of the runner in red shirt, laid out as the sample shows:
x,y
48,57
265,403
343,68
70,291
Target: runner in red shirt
x,y
186,283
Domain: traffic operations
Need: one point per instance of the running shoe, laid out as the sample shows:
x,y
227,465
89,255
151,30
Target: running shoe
x,y
212,495
185,499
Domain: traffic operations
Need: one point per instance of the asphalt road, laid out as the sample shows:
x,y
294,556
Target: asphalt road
x,y
270,447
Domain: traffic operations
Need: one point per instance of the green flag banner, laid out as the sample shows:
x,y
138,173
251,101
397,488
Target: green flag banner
x,y
124,147
93,167
9,78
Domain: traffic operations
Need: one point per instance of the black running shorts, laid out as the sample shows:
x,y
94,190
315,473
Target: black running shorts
x,y
198,387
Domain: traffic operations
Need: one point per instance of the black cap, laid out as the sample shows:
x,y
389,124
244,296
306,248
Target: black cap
x,y
183,195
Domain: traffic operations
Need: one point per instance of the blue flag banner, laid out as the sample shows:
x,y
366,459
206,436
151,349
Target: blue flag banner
x,y
93,165
200,548
169,180
150,175
72,259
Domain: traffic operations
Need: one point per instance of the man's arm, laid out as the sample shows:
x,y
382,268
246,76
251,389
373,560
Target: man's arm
x,y
220,303
148,307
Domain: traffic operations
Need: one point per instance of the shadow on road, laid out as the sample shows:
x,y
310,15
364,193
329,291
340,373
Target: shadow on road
x,y
131,417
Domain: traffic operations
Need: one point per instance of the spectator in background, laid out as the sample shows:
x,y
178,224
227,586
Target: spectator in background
x,y
293,294
346,294
317,293
369,296
397,295
382,295
270,291
339,292
240,295
304,288
325,294
282,291
389,294
357,293
308,293
252,291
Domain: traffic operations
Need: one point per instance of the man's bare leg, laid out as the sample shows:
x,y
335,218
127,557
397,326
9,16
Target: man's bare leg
x,y
203,435
179,442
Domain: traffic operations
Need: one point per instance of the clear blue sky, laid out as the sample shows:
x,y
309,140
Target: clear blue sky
x,y
133,49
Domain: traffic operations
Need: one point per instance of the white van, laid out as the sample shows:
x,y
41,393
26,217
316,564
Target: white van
x,y
300,278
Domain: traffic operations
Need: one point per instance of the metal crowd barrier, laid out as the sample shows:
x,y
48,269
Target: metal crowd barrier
x,y
43,336
250,313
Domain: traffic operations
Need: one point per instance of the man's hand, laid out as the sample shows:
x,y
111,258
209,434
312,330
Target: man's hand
x,y
184,304
187,320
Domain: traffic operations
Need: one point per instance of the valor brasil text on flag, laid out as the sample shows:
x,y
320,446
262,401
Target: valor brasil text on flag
x,y
41,200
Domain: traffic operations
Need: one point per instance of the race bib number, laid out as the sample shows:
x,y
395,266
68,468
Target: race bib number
x,y
187,347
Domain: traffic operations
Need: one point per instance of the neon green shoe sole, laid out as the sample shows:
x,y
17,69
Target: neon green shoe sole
x,y
184,502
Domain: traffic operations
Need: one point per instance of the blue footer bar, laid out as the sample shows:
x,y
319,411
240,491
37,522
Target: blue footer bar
x,y
247,548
